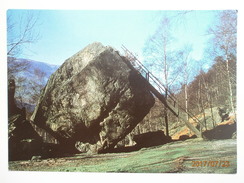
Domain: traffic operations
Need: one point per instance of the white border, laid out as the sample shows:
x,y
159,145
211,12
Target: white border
x,y
8,176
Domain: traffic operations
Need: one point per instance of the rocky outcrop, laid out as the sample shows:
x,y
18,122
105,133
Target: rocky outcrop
x,y
24,142
151,139
93,100
210,119
224,130
214,116
12,108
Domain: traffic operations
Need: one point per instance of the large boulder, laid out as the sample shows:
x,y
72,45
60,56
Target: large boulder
x,y
93,100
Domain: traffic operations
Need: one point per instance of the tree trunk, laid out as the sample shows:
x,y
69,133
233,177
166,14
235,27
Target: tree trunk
x,y
166,116
199,97
209,99
202,106
230,86
186,102
166,121
149,121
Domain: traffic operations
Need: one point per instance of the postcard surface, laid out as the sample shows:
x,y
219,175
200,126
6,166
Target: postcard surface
x,y
122,91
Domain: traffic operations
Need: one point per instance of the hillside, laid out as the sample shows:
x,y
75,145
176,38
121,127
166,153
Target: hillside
x,y
32,65
30,77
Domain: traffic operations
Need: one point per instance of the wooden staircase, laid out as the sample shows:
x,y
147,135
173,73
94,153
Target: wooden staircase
x,y
159,90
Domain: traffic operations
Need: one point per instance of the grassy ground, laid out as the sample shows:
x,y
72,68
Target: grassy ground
x,y
175,157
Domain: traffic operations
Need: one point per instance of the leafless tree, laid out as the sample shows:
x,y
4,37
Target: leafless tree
x,y
185,58
21,33
224,43
161,58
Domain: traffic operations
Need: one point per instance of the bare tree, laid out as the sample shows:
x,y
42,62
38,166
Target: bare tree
x,y
21,33
185,58
161,58
224,42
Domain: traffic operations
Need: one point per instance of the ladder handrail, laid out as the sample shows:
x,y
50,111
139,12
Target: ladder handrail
x,y
154,78
159,84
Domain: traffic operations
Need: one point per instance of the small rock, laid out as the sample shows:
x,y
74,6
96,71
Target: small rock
x,y
36,158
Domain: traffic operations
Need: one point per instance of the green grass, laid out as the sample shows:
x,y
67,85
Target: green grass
x,y
172,157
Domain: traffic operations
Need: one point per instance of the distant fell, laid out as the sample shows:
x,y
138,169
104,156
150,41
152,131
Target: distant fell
x,y
31,79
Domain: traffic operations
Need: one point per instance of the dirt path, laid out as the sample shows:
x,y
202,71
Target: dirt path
x,y
190,156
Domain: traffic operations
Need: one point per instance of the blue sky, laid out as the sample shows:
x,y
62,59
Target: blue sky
x,y
65,32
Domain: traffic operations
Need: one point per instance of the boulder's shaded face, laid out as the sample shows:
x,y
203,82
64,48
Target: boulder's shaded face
x,y
94,98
